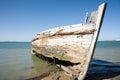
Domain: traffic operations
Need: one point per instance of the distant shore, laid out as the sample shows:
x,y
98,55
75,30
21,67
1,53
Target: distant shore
x,y
30,41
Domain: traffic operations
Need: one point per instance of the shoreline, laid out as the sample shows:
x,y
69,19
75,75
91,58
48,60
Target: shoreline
x,y
62,75
105,74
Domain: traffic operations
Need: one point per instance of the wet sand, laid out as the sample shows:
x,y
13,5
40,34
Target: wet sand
x,y
62,75
109,71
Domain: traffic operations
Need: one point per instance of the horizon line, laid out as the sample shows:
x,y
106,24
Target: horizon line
x,y
31,41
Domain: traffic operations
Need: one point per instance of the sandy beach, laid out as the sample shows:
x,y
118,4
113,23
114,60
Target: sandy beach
x,y
61,75
104,71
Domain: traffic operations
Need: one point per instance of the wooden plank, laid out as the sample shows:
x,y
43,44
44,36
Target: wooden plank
x,y
99,19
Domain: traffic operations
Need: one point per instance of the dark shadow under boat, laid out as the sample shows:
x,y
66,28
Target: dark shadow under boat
x,y
100,69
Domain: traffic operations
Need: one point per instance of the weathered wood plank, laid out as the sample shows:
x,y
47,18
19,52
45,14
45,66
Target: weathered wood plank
x,y
98,22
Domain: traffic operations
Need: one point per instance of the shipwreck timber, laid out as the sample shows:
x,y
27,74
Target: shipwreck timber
x,y
74,43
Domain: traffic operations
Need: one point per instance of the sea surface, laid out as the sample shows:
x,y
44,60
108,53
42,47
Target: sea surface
x,y
17,62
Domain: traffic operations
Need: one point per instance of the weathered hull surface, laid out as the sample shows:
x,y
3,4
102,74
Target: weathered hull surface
x,y
65,46
74,43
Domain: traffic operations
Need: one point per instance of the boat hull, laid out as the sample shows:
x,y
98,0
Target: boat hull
x,y
74,44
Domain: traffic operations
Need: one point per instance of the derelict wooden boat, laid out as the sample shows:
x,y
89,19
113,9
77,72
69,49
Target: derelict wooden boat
x,y
73,43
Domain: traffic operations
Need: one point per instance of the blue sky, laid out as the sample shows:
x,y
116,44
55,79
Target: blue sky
x,y
21,20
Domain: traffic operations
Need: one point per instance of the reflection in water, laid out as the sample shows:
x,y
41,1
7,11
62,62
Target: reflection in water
x,y
41,67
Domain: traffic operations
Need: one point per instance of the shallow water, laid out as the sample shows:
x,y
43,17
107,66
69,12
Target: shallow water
x,y
108,51
16,61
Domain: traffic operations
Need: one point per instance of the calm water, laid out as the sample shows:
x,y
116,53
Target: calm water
x,y
16,61
108,51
